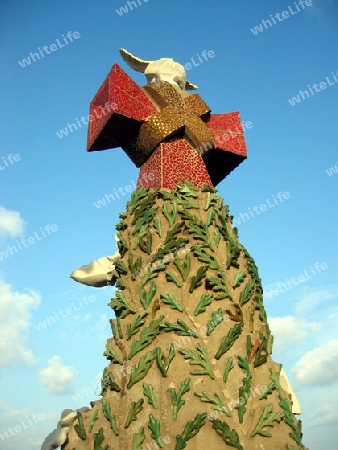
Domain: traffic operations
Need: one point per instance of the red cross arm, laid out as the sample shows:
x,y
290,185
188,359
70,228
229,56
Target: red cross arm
x,y
230,149
117,111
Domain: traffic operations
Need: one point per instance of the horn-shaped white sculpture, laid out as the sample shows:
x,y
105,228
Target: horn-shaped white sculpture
x,y
164,69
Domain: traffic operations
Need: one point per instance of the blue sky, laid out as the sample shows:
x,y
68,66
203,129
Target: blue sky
x,y
53,184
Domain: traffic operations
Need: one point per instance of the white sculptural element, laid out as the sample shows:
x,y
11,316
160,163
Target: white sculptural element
x,y
286,385
164,69
59,436
97,273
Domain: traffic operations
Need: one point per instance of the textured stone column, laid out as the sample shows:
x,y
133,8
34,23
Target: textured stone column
x,y
190,354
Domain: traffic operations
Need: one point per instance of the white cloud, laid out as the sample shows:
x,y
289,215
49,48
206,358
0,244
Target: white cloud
x,y
56,377
313,299
14,322
319,366
10,223
290,330
326,415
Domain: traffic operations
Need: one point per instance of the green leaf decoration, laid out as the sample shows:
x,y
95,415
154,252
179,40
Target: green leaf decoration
x,y
170,215
163,362
171,247
138,439
187,189
135,408
252,310
228,367
196,281
79,428
94,418
120,226
157,226
118,323
119,284
149,393
144,240
181,328
154,270
146,297
211,217
109,416
154,425
275,377
147,336
290,420
217,236
121,306
110,381
199,230
136,198
144,206
236,316
123,215
230,437
111,354
239,278
228,340
211,199
203,256
262,353
120,267
267,419
144,220
248,346
183,268
187,204
171,277
172,233
216,319
98,440
216,401
134,327
244,391
269,388
176,399
247,292
140,371
218,284
205,301
134,267
206,188
190,430
168,299
260,306
199,359
121,244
